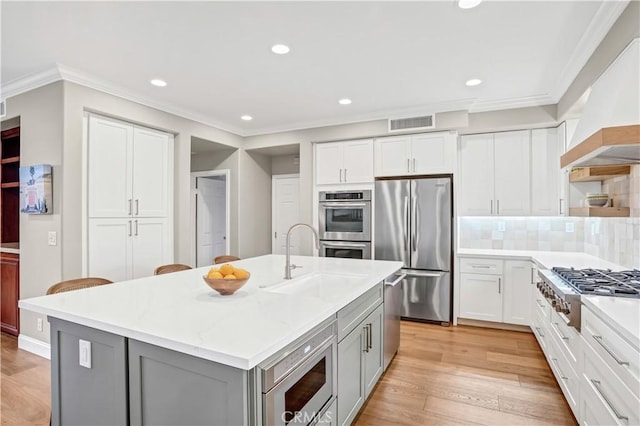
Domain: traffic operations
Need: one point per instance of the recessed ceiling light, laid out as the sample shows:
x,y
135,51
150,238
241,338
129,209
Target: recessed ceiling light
x,y
280,49
468,4
473,82
158,82
345,101
246,118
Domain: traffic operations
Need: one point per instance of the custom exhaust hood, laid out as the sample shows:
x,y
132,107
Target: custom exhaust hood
x,y
608,132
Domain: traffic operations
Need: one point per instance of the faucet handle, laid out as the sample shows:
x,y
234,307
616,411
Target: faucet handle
x,y
292,266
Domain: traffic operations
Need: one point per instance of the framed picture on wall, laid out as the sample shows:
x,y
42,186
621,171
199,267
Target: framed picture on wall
x,y
35,189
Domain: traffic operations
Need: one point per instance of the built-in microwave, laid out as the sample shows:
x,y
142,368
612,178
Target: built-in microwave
x,y
345,215
346,249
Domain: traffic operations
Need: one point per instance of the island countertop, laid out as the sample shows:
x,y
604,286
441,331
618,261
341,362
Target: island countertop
x,y
179,312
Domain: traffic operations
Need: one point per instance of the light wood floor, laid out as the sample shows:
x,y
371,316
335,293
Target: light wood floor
x,y
441,375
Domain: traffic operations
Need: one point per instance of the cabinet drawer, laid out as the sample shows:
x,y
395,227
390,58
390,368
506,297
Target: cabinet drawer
x,y
351,315
567,338
540,331
609,400
566,376
481,266
541,306
619,355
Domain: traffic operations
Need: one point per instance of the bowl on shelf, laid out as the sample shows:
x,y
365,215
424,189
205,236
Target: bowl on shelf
x,y
597,202
223,286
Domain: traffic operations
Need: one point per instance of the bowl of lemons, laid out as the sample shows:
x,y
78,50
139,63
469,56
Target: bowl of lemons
x,y
226,279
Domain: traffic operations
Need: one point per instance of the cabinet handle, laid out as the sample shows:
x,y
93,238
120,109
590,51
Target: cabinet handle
x,y
499,285
136,223
370,336
562,376
596,384
408,165
491,206
137,207
532,278
539,332
480,266
609,351
560,206
559,332
345,175
497,206
129,228
540,304
130,206
366,339
414,164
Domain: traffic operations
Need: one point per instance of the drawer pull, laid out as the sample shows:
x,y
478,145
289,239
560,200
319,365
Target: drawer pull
x,y
539,332
596,384
481,266
562,376
559,332
601,343
540,304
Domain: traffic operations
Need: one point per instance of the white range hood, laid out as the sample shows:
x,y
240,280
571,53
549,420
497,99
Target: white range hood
x,y
608,132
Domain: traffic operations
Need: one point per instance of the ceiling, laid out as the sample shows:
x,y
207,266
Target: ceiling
x,y
391,58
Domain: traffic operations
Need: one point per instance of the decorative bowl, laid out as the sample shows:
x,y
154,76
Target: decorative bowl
x,y
597,202
225,287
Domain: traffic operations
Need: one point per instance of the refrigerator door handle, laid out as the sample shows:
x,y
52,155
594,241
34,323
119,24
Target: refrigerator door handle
x,y
396,281
423,274
406,225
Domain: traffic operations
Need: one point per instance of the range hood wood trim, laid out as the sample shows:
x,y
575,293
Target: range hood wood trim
x,y
608,136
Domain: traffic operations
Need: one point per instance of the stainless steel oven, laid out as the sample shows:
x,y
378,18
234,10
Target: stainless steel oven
x,y
346,249
345,215
301,384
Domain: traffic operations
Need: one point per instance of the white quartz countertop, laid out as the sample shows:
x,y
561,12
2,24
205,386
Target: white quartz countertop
x,y
546,259
179,312
620,313
10,248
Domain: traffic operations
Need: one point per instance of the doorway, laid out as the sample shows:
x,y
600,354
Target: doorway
x,y
285,202
210,191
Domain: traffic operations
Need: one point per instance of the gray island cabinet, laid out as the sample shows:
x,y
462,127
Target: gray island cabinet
x,y
167,350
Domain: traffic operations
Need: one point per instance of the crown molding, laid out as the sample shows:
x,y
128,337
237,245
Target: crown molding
x,y
511,103
29,82
603,20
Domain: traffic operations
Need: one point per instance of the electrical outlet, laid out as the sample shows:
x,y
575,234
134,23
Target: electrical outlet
x,y
52,238
84,355
570,227
39,324
501,226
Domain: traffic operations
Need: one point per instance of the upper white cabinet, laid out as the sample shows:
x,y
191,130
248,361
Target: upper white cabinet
x,y
128,169
545,173
344,162
427,153
511,162
476,193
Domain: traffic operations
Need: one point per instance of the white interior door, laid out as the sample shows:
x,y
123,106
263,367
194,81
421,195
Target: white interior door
x,y
211,236
286,212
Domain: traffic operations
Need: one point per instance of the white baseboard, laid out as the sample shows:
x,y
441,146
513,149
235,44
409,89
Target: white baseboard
x,y
34,346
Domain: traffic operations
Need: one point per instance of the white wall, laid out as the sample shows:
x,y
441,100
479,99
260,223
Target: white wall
x,y
254,205
285,164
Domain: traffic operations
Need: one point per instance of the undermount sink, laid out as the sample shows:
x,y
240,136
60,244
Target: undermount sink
x,y
323,285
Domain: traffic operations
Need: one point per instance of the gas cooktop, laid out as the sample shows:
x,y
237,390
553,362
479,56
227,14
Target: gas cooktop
x,y
602,281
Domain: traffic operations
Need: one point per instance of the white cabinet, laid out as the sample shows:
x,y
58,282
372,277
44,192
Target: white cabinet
x,y
545,172
476,192
481,297
129,191
123,249
518,278
426,153
511,173
344,162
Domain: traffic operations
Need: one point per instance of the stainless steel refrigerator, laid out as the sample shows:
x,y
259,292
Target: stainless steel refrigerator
x,y
413,223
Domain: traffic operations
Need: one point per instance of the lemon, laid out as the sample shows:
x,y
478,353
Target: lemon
x,y
229,277
240,273
214,275
226,269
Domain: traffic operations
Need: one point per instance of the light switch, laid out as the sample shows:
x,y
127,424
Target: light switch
x,y
501,226
52,238
85,353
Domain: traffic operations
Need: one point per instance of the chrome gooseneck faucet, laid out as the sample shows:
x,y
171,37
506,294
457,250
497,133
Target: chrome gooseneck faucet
x,y
288,266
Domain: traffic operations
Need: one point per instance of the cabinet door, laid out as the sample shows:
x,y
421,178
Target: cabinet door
x,y
328,163
517,292
351,393
563,177
152,175
481,297
392,156
512,177
109,253
373,363
109,167
10,291
545,172
151,246
476,175
358,161
433,153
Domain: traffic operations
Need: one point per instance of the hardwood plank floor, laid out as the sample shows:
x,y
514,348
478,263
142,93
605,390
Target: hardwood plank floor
x,y
441,376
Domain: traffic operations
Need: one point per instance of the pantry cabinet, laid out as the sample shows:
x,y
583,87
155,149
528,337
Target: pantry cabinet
x,y
344,162
130,193
426,153
545,173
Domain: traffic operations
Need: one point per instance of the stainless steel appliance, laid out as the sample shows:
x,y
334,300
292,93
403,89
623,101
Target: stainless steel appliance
x,y
346,249
413,225
345,215
563,288
301,383
392,313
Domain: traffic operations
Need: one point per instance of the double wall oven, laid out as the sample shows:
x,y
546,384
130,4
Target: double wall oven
x,y
345,224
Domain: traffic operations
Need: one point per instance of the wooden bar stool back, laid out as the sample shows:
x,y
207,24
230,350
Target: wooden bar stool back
x,y
77,284
225,258
167,269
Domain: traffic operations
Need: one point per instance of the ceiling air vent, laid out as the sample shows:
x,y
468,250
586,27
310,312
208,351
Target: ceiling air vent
x,y
3,108
412,123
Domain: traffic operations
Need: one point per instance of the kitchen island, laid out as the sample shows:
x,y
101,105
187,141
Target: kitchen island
x,y
176,315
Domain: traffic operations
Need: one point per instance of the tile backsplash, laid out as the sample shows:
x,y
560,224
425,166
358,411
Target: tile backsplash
x,y
614,239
